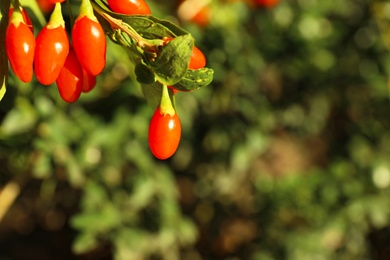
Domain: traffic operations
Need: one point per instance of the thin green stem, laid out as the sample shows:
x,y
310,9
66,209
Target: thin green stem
x,y
56,18
166,106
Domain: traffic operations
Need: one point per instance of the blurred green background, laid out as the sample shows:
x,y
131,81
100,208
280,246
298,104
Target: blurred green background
x,y
286,155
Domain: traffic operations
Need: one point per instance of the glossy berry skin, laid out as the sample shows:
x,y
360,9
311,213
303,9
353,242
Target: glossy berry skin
x,y
50,54
198,60
164,134
70,79
20,48
89,42
130,7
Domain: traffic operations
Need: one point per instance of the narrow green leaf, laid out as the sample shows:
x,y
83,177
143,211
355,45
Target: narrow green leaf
x,y
172,61
195,79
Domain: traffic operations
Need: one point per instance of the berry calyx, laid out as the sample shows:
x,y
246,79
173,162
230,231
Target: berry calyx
x,y
26,18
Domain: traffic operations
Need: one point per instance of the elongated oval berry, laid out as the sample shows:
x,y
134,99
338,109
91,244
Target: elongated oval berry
x,y
70,79
51,49
164,134
89,42
50,54
130,7
20,47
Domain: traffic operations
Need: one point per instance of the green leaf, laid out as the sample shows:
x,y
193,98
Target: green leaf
x,y
172,61
4,6
195,79
144,74
147,26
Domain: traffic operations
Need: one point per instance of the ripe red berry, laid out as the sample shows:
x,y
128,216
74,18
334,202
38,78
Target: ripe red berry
x,y
51,49
198,60
50,54
89,43
130,7
164,134
20,47
70,79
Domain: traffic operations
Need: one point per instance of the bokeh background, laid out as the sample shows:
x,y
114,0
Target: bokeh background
x,y
286,155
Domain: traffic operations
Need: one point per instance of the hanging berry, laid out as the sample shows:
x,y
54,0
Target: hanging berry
x,y
164,129
89,40
20,46
51,49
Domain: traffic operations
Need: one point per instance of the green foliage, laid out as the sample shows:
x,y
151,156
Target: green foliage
x,y
284,154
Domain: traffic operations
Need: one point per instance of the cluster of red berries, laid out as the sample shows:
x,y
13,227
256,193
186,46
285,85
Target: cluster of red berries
x,y
74,62
73,66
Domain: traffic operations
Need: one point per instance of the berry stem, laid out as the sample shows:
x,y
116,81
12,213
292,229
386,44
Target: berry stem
x,y
56,18
166,107
86,9
17,16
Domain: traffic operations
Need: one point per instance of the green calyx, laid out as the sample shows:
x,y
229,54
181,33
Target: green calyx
x,y
56,18
17,16
166,107
86,9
